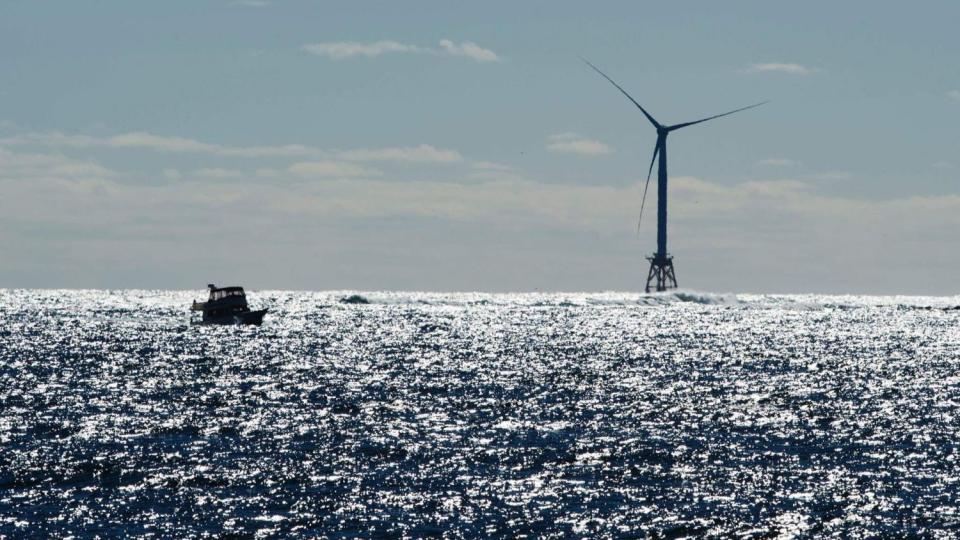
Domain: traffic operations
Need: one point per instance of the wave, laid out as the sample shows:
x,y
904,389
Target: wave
x,y
537,299
796,302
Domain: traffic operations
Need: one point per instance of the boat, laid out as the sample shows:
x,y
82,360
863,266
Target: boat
x,y
227,305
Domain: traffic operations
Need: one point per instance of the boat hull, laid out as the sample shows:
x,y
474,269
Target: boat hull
x,y
248,317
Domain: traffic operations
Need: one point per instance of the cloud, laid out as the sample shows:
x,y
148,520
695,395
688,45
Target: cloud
x,y
184,145
161,143
250,3
38,187
417,154
61,213
330,169
833,175
491,166
423,153
348,49
33,165
147,140
572,143
777,67
944,165
488,171
954,94
340,50
348,191
218,173
468,49
777,162
267,173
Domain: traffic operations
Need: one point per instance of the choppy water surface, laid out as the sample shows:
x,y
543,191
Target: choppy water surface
x,y
468,415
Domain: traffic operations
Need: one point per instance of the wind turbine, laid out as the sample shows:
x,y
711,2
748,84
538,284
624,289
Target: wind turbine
x,y
661,263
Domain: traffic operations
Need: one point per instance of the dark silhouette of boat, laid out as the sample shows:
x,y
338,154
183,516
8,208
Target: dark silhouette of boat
x,y
227,305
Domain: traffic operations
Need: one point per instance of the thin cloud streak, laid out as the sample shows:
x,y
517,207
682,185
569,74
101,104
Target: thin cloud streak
x,y
217,173
418,154
776,162
833,175
780,67
572,143
160,143
423,153
330,169
468,49
341,50
348,49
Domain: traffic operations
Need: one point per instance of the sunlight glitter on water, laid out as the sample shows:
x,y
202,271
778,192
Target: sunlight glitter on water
x,y
585,415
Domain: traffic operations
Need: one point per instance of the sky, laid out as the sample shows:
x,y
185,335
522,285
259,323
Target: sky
x,y
447,146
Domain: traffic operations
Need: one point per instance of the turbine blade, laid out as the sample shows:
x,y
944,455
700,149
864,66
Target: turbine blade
x,y
604,75
685,124
656,150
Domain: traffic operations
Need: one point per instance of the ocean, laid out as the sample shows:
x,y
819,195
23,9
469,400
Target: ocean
x,y
612,415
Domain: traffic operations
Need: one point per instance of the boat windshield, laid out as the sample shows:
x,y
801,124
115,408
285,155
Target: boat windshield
x,y
224,293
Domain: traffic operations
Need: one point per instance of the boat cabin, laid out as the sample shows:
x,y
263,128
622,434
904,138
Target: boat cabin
x,y
223,304
225,292
227,305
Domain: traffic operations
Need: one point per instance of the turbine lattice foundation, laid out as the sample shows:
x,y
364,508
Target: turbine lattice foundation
x,y
661,274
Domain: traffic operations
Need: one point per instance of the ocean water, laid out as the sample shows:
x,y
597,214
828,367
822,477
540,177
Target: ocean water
x,y
477,415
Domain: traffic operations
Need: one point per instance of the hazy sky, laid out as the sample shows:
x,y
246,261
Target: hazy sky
x,y
453,146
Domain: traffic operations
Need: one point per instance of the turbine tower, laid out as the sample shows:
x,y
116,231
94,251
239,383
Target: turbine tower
x,y
661,263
